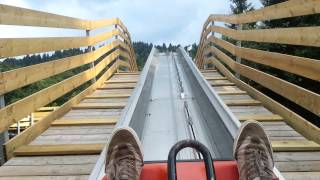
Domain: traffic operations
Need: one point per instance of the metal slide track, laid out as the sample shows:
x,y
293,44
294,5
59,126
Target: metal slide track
x,y
173,101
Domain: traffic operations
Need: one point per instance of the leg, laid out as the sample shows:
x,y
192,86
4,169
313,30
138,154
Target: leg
x,y
124,158
253,152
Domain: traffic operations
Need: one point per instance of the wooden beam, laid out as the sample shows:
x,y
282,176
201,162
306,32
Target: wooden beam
x,y
121,81
63,149
105,96
128,73
284,146
260,117
305,67
221,93
30,74
100,105
215,78
84,122
31,133
242,102
222,84
10,47
305,36
119,86
292,8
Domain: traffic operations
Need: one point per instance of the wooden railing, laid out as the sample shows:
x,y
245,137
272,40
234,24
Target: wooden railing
x,y
212,50
117,52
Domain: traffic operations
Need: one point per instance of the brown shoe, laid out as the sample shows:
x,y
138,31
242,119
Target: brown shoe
x,y
253,152
124,160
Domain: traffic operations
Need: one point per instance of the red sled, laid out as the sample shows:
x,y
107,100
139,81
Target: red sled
x,y
190,170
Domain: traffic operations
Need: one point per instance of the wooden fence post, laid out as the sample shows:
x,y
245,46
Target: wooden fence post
x,y
4,136
238,58
92,63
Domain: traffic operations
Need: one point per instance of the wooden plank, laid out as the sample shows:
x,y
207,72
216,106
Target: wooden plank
x,y
296,156
86,122
281,146
216,78
301,175
64,149
18,110
103,96
300,124
121,81
119,86
292,8
100,106
128,73
297,94
260,117
305,67
231,92
26,17
30,74
305,36
242,102
45,177
222,84
298,166
31,133
10,47
49,170
52,160
208,70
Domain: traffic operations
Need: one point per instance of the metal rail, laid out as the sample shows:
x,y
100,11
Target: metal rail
x,y
171,102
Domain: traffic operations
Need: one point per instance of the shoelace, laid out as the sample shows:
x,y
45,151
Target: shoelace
x,y
126,167
258,162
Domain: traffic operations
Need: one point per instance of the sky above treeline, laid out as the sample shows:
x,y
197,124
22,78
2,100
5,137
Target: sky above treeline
x,y
156,21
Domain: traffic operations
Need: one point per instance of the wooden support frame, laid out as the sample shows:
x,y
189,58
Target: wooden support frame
x,y
297,94
300,124
301,66
30,74
14,112
31,133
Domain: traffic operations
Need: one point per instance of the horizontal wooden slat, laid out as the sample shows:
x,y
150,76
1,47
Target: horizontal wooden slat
x,y
127,73
30,74
279,146
259,117
231,92
215,78
300,124
26,17
119,86
242,102
84,122
121,81
306,36
31,133
104,96
305,67
15,111
297,94
10,47
63,149
292,8
100,106
222,84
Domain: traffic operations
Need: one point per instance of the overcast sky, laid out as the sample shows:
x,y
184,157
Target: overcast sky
x,y
156,21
